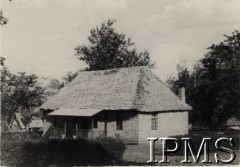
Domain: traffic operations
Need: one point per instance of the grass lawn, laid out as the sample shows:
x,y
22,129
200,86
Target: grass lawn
x,y
139,154
28,149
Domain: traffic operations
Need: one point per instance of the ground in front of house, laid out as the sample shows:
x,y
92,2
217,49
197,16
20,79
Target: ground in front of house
x,y
139,154
30,149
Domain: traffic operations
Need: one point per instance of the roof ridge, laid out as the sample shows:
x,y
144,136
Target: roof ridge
x,y
105,71
136,98
121,68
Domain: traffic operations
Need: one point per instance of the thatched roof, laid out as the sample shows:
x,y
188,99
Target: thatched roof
x,y
75,112
134,88
19,119
36,123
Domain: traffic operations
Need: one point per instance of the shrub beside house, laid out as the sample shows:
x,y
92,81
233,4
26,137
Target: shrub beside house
x,y
29,149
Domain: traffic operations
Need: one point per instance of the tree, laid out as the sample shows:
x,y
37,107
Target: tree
x,y
69,77
3,20
27,93
53,87
19,93
184,77
6,91
215,83
55,84
109,49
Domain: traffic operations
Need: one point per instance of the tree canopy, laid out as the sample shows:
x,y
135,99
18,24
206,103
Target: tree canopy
x,y
109,49
19,93
214,84
69,77
55,85
3,20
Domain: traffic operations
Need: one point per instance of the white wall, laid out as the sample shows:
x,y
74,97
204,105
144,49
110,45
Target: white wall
x,y
169,124
46,124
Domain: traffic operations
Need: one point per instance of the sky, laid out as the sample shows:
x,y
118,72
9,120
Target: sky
x,y
41,35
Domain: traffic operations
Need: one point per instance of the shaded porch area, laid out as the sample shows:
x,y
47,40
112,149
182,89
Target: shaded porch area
x,y
75,124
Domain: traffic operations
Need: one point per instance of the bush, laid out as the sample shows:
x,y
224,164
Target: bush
x,y
114,147
12,145
74,152
62,152
30,150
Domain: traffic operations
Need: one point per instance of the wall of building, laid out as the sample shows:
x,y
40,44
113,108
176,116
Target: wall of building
x,y
129,133
46,124
173,123
168,124
137,126
99,131
14,128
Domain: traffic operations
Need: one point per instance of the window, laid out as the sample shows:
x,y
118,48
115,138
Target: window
x,y
154,122
95,122
119,121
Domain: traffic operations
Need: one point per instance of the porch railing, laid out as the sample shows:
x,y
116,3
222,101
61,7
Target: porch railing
x,y
78,133
83,133
57,132
90,134
62,133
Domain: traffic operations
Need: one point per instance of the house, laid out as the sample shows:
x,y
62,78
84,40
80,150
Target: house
x,y
16,124
36,125
233,123
129,103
